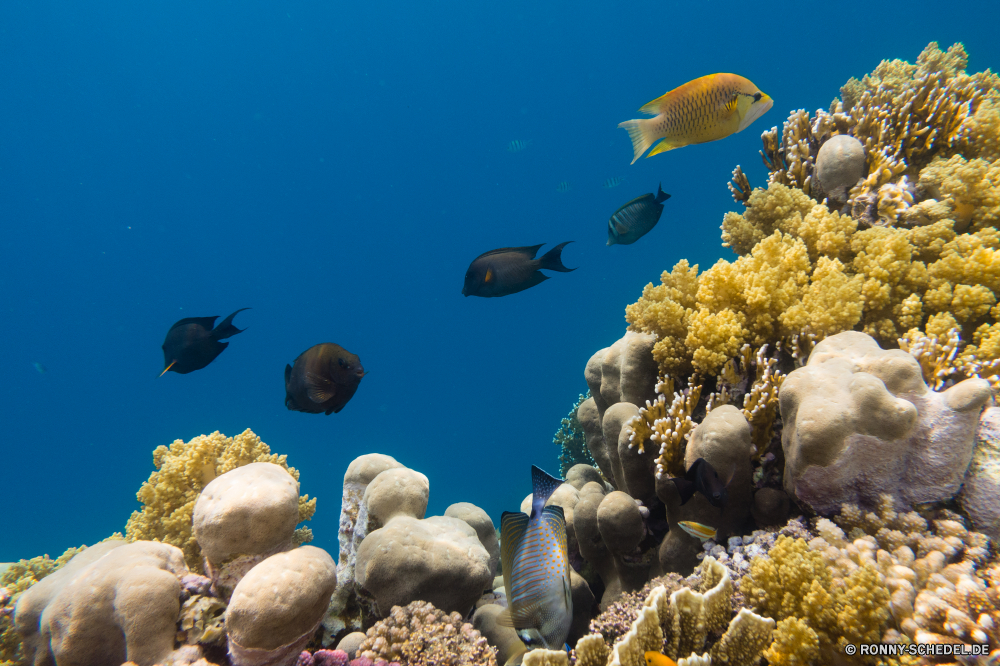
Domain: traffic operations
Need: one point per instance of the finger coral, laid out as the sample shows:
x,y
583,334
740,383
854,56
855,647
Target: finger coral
x,y
796,581
182,470
419,634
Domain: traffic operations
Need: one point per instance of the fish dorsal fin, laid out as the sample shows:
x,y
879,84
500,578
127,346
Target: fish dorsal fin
x,y
654,108
620,228
513,525
543,485
208,323
318,389
529,250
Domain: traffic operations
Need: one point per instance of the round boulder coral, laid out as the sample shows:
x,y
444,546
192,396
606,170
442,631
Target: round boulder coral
x,y
250,510
277,606
438,559
840,164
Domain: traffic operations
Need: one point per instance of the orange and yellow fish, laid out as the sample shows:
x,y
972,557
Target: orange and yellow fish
x,y
657,659
706,109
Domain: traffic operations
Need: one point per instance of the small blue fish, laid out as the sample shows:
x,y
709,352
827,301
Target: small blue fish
x,y
536,569
517,145
40,368
613,182
563,187
636,218
703,532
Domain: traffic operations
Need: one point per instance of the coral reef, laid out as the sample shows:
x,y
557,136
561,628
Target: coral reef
x,y
572,441
911,151
852,399
418,634
684,622
182,471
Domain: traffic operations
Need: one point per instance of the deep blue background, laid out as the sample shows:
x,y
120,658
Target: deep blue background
x,y
336,166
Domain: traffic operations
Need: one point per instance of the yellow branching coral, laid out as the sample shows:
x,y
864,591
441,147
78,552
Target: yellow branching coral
x,y
795,644
182,471
760,405
666,310
944,361
796,581
739,186
673,430
970,188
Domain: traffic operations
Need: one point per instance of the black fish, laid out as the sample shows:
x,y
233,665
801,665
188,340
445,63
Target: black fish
x,y
511,269
701,477
193,343
323,378
636,218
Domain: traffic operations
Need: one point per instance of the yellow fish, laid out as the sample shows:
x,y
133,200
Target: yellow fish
x,y
703,532
706,109
657,659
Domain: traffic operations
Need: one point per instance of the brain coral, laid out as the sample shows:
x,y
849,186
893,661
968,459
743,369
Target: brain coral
x,y
182,471
419,634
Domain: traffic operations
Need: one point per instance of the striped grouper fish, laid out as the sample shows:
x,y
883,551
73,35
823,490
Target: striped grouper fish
x,y
707,109
636,218
536,569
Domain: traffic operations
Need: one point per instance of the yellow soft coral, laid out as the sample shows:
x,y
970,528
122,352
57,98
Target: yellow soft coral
x,y
778,208
795,581
971,187
795,644
182,471
665,310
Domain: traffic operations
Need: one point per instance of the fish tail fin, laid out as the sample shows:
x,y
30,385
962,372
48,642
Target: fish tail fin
x,y
661,196
552,260
643,134
226,329
543,485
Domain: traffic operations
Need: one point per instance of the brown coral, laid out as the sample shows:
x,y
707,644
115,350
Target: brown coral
x,y
182,471
419,634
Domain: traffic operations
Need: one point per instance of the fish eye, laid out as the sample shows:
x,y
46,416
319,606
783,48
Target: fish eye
x,y
342,362
756,97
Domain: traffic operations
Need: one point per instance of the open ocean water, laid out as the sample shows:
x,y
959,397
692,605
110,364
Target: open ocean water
x,y
336,166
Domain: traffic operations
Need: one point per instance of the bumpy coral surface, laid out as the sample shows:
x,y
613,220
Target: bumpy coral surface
x,y
182,470
419,634
859,421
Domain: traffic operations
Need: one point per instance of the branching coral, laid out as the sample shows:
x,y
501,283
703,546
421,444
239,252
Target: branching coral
x,y
421,635
797,580
669,427
945,362
182,471
572,441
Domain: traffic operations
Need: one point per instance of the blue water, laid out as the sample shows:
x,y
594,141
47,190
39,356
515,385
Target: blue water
x,y
336,166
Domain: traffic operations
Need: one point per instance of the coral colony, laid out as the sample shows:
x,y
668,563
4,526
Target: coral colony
x,y
836,379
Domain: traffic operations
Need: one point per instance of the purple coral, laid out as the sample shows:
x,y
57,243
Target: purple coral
x,y
323,658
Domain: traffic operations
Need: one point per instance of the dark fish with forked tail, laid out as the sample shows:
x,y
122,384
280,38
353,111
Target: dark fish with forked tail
x,y
636,218
193,343
701,477
511,269
535,562
322,379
